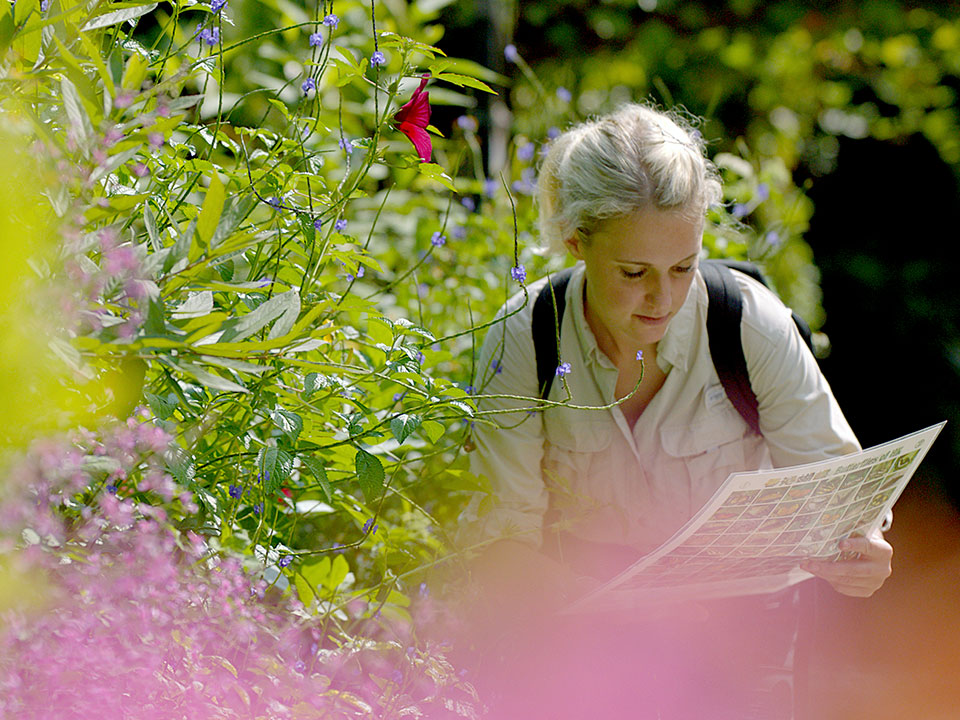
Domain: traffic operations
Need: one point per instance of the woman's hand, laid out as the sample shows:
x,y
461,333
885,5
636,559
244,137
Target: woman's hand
x,y
862,574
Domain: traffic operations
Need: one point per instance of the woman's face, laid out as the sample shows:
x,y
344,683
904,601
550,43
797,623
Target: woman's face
x,y
639,268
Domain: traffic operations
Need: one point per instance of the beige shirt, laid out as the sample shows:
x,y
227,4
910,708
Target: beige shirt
x,y
609,483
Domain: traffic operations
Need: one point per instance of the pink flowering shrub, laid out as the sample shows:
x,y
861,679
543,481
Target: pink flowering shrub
x,y
140,620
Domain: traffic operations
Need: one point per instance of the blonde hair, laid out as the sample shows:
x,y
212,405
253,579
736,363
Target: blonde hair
x,y
631,159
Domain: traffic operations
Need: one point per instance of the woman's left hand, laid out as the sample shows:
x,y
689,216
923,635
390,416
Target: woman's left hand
x,y
862,574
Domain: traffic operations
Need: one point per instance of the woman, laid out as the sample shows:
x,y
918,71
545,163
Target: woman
x,y
626,195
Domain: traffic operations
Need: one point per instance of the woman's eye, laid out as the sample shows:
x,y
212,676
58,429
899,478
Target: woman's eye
x,y
634,275
685,269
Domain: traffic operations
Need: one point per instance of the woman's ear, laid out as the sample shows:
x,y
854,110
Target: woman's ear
x,y
575,245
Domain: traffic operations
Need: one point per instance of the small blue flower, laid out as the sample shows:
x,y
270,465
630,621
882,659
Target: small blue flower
x,y
510,53
285,560
317,224
397,397
467,123
469,203
489,187
378,59
112,489
424,590
553,133
44,5
763,192
367,525
235,491
496,366
438,240
459,232
346,145
258,508
773,238
217,5
360,273
519,273
210,36
526,152
564,94
640,355
316,39
273,201
419,357
308,85
739,210
331,21
340,225
563,369
470,389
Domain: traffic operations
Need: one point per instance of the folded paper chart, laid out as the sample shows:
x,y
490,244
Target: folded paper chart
x,y
752,534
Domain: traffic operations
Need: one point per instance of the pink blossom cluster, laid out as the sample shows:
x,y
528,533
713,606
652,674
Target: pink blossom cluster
x,y
140,620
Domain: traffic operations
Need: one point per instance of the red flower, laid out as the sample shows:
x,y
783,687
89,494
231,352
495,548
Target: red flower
x,y
412,120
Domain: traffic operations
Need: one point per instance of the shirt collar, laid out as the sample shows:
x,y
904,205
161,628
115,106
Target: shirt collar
x,y
676,347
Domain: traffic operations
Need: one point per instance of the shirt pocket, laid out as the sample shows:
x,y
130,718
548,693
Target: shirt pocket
x,y
713,441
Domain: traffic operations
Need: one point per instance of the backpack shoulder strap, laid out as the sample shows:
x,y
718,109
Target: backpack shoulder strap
x,y
547,320
724,311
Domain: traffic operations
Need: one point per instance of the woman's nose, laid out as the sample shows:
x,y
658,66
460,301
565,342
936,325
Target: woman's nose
x,y
657,295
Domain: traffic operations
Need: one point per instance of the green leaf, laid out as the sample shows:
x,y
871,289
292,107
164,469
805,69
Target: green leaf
x,y
370,474
435,172
289,318
289,422
196,305
338,573
433,430
250,323
118,13
150,223
465,80
267,469
313,382
208,379
7,26
211,211
402,426
79,120
162,407
315,468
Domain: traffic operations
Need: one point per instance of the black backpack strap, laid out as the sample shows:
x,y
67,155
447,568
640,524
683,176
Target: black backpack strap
x,y
547,318
724,312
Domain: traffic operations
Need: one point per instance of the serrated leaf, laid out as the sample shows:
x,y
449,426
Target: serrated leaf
x,y
315,468
289,422
402,426
313,382
267,469
369,474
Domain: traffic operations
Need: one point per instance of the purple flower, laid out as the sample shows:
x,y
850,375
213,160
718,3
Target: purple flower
x,y
217,5
273,201
210,36
44,4
459,232
360,273
419,357
378,59
438,240
346,145
553,133
112,489
564,94
235,491
424,590
467,123
526,152
489,187
563,369
308,85
763,192
340,225
496,366
469,203
258,508
331,21
739,210
285,560
155,139
316,39
773,238
397,397
317,224
510,53
640,355
369,527
519,273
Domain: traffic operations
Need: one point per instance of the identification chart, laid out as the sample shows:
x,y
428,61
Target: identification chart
x,y
759,525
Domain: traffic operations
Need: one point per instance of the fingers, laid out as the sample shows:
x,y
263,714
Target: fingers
x,y
864,573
